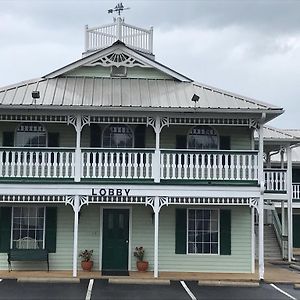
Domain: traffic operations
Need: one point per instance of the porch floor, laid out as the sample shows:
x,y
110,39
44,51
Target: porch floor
x,y
273,273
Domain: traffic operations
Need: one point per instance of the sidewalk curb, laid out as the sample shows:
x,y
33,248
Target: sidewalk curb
x,y
139,281
229,283
295,267
48,280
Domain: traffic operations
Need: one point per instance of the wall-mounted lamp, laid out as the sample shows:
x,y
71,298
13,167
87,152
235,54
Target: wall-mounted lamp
x,y
35,94
195,99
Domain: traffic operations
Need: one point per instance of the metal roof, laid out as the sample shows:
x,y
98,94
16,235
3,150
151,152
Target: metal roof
x,y
273,134
92,92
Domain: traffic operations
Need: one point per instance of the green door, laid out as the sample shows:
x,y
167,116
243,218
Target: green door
x,y
115,239
296,231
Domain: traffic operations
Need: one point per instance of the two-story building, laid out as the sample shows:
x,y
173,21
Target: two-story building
x,y
116,150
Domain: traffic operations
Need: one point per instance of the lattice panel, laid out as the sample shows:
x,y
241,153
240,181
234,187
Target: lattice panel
x,y
115,119
212,121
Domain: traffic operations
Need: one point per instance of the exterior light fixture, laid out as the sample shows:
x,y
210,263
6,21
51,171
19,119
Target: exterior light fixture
x,y
35,94
195,98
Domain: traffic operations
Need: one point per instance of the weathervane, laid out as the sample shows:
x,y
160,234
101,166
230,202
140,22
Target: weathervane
x,y
118,8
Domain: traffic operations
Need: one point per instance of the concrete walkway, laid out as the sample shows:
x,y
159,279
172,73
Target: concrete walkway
x,y
275,273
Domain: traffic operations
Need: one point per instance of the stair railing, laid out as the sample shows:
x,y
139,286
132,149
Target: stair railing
x,y
279,235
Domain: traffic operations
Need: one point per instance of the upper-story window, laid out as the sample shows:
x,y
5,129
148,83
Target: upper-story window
x,y
31,135
117,136
202,137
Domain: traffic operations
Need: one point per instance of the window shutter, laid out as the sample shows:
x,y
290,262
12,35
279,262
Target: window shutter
x,y
95,135
51,228
225,232
53,139
5,229
180,231
181,142
8,139
139,136
225,143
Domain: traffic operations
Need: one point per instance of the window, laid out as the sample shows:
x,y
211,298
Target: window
x,y
31,135
28,228
202,137
117,136
203,231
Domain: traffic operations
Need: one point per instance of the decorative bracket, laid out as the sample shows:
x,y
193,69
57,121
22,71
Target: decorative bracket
x,y
82,201
254,203
73,120
157,203
158,123
253,124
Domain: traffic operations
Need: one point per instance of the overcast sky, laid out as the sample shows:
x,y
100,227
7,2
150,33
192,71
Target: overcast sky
x,y
247,47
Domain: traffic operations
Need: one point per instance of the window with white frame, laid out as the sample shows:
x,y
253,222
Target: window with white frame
x,y
31,135
202,137
28,228
203,231
117,136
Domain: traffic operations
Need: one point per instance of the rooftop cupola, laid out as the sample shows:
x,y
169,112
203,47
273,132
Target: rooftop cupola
x,y
139,39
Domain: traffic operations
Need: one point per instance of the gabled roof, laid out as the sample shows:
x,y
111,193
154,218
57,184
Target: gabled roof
x,y
272,134
120,47
124,93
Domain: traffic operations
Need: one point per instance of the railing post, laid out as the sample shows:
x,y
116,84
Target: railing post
x,y
86,38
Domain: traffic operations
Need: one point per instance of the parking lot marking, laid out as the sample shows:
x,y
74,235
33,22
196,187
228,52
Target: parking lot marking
x,y
89,290
283,292
188,290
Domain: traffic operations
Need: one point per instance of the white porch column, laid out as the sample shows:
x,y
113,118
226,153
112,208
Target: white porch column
x,y
78,149
289,202
252,240
75,236
282,218
156,227
261,204
156,164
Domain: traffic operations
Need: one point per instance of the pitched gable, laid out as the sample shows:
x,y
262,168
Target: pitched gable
x,y
102,62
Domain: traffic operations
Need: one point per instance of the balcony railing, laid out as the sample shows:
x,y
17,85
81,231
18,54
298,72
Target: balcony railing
x,y
296,191
133,164
275,180
36,163
209,165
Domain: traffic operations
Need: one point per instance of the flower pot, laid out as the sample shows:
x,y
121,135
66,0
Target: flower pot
x,y
87,265
142,266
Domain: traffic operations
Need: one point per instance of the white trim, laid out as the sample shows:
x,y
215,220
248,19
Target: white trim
x,y
129,208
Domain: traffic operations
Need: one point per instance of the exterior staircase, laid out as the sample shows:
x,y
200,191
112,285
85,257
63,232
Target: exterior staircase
x,y
272,248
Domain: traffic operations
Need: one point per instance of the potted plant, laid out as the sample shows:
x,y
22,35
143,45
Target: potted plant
x,y
141,265
86,260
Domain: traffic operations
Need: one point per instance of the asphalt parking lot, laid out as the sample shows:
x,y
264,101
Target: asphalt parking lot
x,y
102,289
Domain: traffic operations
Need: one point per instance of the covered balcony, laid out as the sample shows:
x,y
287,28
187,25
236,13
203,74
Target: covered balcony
x,y
172,166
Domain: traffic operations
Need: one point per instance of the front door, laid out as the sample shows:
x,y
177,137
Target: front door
x,y
115,239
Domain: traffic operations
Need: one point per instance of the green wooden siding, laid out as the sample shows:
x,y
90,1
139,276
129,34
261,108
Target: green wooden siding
x,y
143,235
238,261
